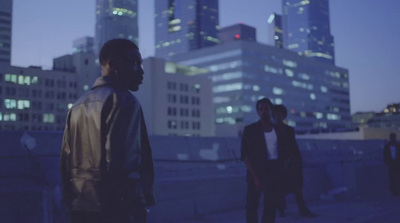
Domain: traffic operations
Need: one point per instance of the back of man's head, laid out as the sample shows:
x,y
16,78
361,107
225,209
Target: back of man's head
x,y
112,50
281,110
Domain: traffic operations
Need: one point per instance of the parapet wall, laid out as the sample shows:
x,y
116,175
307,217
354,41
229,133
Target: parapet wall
x,y
194,176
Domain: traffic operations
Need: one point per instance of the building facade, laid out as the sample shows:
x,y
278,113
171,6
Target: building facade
x,y
5,30
185,25
81,64
35,99
83,44
237,32
315,93
307,29
175,100
276,30
116,19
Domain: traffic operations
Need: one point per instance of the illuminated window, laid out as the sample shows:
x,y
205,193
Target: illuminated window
x,y
22,104
304,76
312,96
228,87
273,70
227,76
246,108
289,73
256,88
319,115
324,89
10,103
34,80
289,63
278,101
70,105
277,91
330,116
48,118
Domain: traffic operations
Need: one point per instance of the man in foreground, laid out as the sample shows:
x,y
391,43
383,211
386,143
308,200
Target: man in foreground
x,y
106,160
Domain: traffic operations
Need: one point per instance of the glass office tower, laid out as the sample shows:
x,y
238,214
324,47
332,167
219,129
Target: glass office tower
x,y
185,25
315,93
307,29
5,30
116,19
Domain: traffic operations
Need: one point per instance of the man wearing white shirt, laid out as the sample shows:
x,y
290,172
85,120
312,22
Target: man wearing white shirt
x,y
263,151
391,157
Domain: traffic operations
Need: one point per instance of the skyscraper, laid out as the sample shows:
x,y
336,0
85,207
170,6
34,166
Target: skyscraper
x,y
185,25
276,30
116,19
5,30
307,29
237,32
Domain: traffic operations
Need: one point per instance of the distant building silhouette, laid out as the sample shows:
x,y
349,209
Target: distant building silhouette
x,y
237,32
177,100
276,30
315,93
5,30
307,29
360,119
389,118
116,19
182,26
35,99
84,44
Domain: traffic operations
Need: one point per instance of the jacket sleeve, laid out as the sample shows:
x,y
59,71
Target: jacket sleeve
x,y
127,145
65,162
147,166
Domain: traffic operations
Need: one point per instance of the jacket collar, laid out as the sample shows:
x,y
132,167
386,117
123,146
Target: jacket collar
x,y
103,81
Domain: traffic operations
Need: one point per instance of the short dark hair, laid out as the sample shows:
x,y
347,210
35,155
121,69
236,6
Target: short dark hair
x,y
281,109
112,49
264,101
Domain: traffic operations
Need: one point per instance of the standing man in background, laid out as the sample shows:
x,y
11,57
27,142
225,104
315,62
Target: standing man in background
x,y
293,171
106,161
391,157
263,151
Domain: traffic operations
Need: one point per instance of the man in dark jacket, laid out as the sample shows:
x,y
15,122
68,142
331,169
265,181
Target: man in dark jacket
x,y
264,151
293,172
391,157
106,161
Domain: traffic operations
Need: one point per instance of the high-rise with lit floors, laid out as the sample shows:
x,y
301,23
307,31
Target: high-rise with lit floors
x,y
182,26
307,29
5,30
275,30
116,19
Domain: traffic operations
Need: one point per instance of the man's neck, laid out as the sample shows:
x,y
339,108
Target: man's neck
x,y
267,126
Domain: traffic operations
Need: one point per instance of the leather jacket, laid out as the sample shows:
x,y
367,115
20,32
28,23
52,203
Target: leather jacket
x,y
105,143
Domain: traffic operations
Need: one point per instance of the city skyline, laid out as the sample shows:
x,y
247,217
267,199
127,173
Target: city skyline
x,y
47,30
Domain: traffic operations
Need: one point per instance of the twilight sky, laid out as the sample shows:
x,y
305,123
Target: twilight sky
x,y
366,35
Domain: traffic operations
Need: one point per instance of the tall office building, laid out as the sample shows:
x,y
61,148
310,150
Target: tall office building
x,y
5,30
307,29
182,26
276,30
116,19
